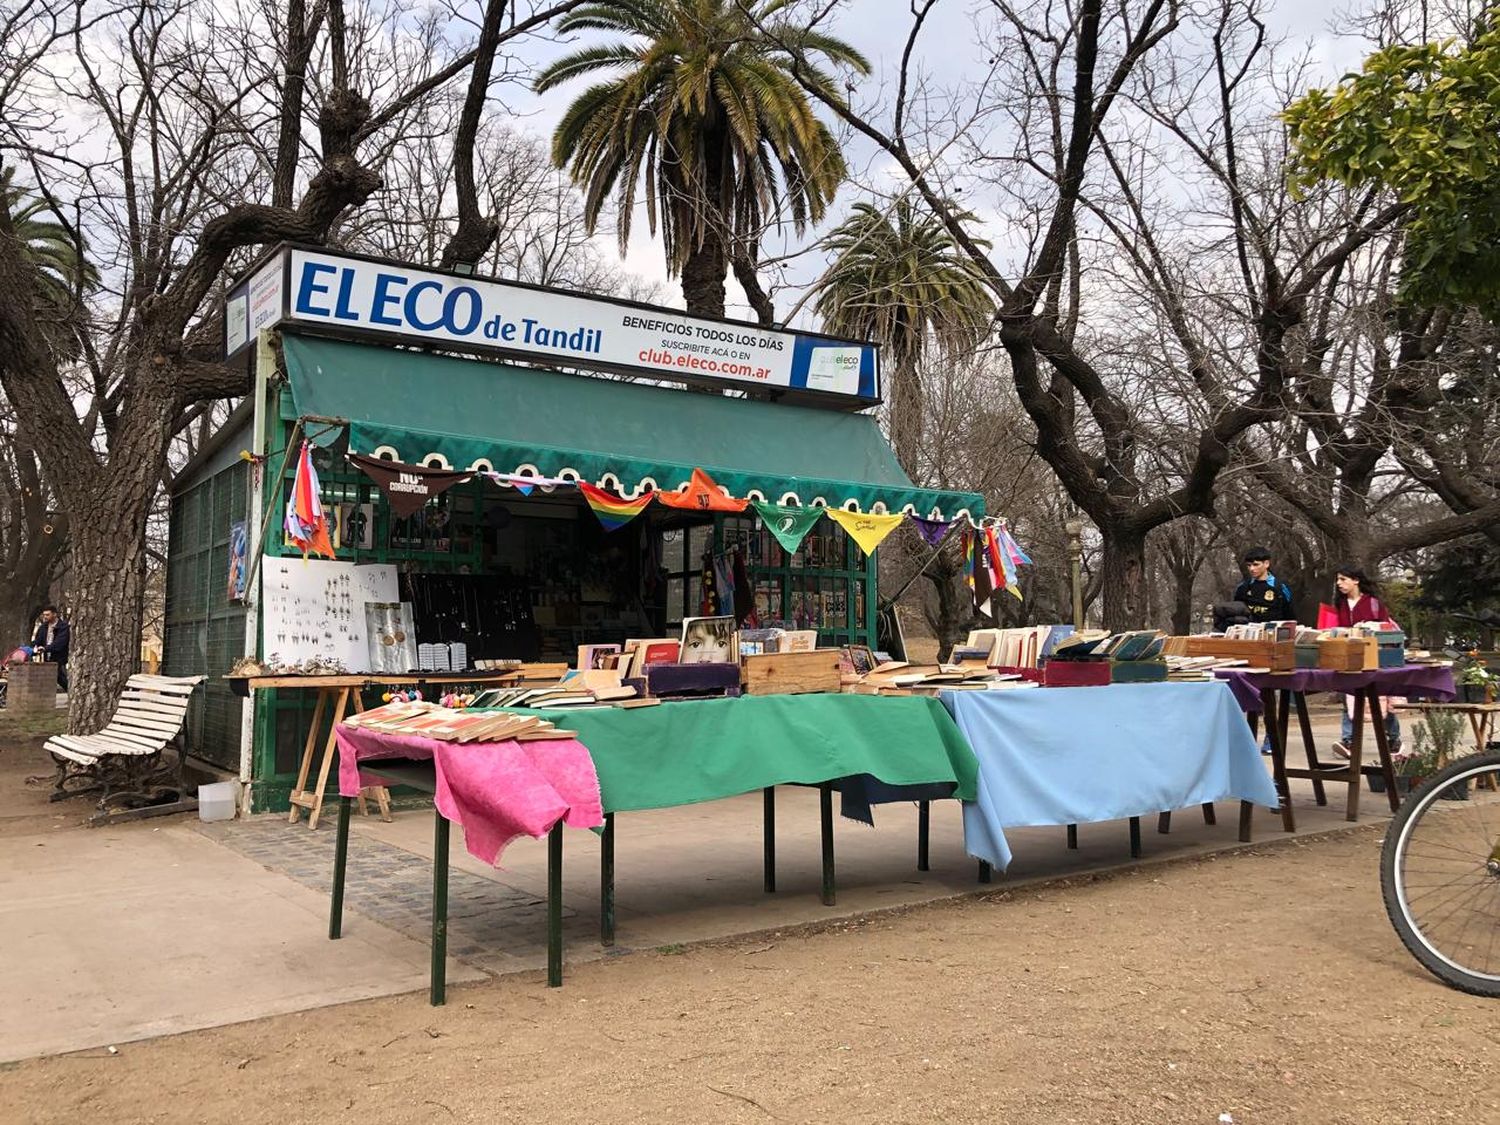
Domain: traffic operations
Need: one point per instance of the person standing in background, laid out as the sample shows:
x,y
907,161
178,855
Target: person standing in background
x,y
1357,602
51,636
1266,597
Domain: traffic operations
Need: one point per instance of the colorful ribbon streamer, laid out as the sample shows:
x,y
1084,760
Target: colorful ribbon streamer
x,y
306,523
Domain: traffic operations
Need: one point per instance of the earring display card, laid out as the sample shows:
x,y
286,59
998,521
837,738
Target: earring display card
x,y
315,607
392,640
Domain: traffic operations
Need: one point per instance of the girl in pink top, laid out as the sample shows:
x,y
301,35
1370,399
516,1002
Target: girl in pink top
x,y
1356,602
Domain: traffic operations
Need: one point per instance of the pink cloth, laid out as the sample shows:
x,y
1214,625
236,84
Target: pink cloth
x,y
496,790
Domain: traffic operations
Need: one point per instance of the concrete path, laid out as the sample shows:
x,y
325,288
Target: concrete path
x,y
143,929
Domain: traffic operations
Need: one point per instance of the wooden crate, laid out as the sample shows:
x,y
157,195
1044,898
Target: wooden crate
x,y
1349,654
1261,654
792,673
1076,673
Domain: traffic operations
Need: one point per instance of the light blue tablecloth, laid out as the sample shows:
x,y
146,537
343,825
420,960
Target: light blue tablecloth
x,y
1076,755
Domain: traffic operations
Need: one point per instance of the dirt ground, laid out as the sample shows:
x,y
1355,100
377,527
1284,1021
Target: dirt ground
x,y
1265,985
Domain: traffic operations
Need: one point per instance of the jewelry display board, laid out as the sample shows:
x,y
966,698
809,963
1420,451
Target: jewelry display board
x,y
392,637
316,607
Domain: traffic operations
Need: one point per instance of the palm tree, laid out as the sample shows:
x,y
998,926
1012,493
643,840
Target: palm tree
x,y
901,279
60,272
703,105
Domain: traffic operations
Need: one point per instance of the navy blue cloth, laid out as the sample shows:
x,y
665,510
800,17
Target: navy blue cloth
x,y
1050,756
860,791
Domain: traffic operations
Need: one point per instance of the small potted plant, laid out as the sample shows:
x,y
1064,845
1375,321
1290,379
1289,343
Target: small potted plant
x,y
1444,732
1476,683
1413,766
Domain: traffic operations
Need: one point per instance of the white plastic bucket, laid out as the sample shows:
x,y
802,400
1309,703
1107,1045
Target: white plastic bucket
x,y
217,801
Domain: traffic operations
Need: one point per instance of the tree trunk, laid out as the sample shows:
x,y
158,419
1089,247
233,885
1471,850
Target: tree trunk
x,y
906,418
1124,578
954,612
1182,602
703,277
109,568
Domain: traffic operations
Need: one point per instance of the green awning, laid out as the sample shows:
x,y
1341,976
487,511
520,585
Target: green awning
x,y
464,413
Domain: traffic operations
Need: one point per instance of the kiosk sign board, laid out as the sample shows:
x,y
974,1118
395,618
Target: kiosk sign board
x,y
343,294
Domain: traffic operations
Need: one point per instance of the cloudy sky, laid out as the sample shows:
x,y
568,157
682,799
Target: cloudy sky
x,y
950,54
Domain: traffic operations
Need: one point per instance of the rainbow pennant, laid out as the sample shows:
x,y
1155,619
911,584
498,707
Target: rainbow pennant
x,y
613,512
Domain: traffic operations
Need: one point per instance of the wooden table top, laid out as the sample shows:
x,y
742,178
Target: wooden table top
x,y
408,679
1468,708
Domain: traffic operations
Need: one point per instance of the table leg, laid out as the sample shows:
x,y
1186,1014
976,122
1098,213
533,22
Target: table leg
x,y
381,794
1135,837
768,836
1247,816
440,826
984,872
330,752
1210,817
1483,723
340,866
554,906
1304,721
1357,758
307,755
825,816
1164,823
924,830
607,882
1383,746
1073,836
1274,730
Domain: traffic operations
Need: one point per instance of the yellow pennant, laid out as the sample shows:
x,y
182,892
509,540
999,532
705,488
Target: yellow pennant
x,y
865,529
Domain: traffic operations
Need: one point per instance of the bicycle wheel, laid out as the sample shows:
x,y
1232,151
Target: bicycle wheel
x,y
1440,874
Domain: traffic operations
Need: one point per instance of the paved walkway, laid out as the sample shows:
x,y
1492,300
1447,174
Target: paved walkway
x,y
143,929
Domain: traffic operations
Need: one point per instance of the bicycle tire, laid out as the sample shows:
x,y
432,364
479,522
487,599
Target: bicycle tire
x,y
1398,836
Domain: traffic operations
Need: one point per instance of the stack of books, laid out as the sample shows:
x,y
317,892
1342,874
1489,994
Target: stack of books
x,y
896,677
1192,669
1009,649
557,695
430,720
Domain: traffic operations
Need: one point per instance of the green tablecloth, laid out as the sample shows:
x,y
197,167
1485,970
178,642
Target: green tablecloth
x,y
704,750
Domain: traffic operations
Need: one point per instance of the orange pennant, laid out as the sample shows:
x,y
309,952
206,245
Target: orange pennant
x,y
701,494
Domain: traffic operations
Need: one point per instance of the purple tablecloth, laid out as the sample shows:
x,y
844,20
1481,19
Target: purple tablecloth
x,y
496,790
1423,680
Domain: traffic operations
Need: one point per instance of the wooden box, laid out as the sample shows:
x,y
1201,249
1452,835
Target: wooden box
x,y
683,681
1349,654
792,673
1076,673
1137,671
1278,657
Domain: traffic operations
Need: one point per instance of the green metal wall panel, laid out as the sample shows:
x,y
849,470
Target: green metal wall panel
x,y
205,631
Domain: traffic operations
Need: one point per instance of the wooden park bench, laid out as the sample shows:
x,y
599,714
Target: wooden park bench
x,y
125,759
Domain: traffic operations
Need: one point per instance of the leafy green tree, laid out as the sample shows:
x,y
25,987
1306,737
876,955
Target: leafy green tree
x,y
901,278
1422,121
702,108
